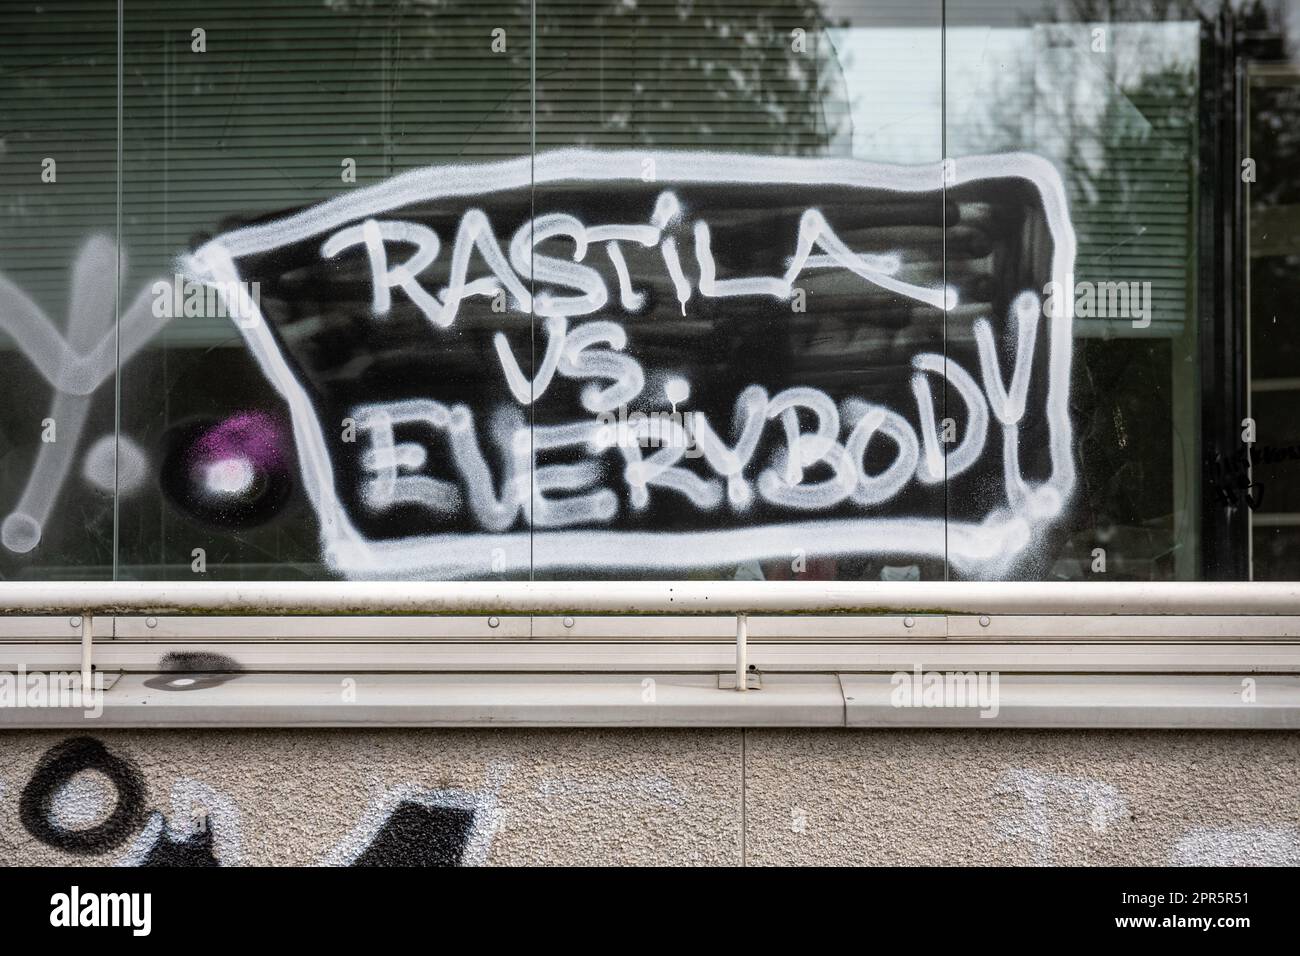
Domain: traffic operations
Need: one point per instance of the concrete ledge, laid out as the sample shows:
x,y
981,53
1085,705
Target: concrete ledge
x,y
450,700
1149,701
673,700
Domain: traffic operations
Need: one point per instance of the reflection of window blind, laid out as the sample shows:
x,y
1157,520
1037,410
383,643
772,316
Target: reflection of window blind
x,y
58,94
1121,124
262,122
758,76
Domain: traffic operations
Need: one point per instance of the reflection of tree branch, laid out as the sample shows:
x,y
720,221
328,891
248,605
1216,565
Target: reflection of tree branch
x,y
1094,146
723,69
1116,11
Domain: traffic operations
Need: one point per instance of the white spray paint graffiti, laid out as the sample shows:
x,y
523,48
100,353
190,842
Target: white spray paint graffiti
x,y
76,366
1053,803
196,809
115,464
653,789
565,505
1238,846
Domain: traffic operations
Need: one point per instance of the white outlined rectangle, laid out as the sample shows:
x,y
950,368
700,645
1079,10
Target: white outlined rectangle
x,y
984,548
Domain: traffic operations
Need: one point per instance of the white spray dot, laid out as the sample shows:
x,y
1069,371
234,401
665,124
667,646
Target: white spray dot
x,y
677,390
229,477
20,532
122,456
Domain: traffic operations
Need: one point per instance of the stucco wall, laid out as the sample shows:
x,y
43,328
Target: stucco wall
x,y
654,797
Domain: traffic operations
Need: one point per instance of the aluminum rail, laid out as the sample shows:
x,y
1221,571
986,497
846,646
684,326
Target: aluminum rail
x,y
730,598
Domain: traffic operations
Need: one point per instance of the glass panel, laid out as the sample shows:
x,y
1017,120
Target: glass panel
x,y
820,289
58,261
733,392
1099,436
1262,478
297,155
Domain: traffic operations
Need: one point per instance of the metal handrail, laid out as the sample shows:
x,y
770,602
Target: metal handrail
x,y
733,598
647,597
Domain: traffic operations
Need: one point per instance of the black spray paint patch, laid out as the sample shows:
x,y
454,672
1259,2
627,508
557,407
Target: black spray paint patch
x,y
194,670
189,851
194,849
407,826
657,363
420,835
59,765
234,473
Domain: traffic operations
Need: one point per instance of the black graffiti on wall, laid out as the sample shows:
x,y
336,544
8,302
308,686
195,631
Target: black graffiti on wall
x,y
184,849
409,826
413,827
193,851
420,835
78,755
55,770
